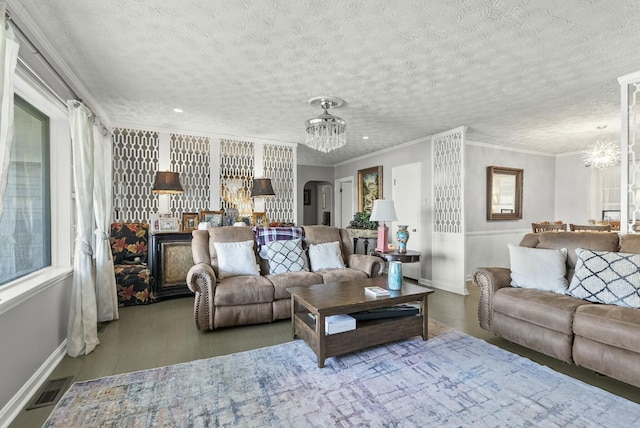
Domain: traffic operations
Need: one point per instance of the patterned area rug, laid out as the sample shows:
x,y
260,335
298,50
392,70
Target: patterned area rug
x,y
451,380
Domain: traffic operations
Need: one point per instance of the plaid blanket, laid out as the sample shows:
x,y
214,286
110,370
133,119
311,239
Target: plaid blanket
x,y
270,234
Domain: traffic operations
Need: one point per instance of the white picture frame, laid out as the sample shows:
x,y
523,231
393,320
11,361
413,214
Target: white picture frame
x,y
168,224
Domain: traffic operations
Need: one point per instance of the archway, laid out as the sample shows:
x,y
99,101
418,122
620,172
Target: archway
x,y
317,205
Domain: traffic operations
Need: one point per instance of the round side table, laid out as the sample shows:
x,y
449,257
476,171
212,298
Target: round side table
x,y
395,256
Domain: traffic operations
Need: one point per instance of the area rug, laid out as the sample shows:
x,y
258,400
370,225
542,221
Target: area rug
x,y
451,380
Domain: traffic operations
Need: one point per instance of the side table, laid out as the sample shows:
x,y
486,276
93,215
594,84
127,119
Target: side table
x,y
395,256
169,261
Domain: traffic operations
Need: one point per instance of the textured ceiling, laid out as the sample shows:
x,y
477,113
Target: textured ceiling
x,y
530,74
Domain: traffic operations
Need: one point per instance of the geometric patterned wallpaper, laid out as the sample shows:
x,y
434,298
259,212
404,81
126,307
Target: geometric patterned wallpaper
x,y
279,166
237,159
136,159
135,162
448,205
634,154
190,158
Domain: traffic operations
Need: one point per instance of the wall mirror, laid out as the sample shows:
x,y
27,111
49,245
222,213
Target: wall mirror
x,y
504,193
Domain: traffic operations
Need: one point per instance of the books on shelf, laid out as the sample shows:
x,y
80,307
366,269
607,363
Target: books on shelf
x,y
377,291
337,323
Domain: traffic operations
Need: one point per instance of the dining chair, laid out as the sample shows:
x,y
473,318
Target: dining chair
x,y
590,228
555,227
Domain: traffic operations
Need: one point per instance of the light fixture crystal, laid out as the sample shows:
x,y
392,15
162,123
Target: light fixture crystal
x,y
602,154
326,132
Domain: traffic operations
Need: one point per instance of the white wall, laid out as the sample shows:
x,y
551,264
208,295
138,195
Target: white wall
x,y
555,188
31,335
34,310
411,152
574,190
487,240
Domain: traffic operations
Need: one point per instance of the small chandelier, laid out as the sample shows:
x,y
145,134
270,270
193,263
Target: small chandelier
x,y
602,154
326,132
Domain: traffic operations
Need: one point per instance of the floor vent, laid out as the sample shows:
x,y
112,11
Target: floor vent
x,y
50,392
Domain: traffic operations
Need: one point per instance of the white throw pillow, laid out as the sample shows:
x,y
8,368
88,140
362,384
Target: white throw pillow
x,y
325,256
286,256
607,277
236,258
539,268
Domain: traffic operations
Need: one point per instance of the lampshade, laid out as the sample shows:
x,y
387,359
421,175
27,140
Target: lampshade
x,y
167,182
383,210
262,188
326,132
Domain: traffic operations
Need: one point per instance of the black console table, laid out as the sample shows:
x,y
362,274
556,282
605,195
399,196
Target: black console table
x,y
365,234
170,259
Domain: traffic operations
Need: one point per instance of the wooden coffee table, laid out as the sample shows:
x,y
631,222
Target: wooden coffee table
x,y
347,297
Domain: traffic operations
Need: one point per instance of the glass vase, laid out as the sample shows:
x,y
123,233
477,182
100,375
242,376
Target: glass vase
x,y
394,275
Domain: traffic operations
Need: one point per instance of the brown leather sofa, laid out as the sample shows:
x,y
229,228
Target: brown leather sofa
x,y
241,300
601,337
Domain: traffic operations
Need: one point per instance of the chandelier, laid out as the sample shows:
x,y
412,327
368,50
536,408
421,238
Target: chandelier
x,y
602,154
326,132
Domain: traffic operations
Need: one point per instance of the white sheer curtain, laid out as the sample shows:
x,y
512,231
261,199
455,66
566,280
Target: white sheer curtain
x,y
107,297
82,331
8,57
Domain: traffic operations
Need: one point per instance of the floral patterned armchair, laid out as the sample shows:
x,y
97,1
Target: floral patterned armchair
x,y
129,249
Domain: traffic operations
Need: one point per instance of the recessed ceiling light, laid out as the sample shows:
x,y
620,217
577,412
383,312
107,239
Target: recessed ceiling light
x,y
601,126
178,110
365,138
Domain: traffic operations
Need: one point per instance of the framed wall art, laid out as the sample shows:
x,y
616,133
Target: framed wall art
x,y
189,221
168,224
259,219
214,218
369,187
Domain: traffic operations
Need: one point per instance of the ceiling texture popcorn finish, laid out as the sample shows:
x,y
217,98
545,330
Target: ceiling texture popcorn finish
x,y
533,75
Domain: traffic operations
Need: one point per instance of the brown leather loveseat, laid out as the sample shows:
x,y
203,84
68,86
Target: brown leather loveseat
x,y
601,337
262,296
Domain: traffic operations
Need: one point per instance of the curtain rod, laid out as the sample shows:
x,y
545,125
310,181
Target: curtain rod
x,y
36,51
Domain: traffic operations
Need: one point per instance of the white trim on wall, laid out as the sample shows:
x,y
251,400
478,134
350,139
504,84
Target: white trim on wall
x,y
9,412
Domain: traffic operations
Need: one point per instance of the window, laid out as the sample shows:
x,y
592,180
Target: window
x,y
25,226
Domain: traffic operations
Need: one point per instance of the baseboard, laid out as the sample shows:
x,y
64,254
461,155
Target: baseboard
x,y
442,286
22,397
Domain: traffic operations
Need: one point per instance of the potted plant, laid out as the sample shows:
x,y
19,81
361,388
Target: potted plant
x,y
362,227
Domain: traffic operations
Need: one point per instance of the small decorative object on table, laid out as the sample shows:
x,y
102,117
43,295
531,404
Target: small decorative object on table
x,y
376,291
402,236
394,279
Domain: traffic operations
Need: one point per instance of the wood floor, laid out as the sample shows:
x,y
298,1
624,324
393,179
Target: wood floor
x,y
164,333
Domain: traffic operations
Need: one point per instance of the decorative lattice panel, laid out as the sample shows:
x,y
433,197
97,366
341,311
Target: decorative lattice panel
x,y
634,154
448,213
190,156
236,175
279,166
135,161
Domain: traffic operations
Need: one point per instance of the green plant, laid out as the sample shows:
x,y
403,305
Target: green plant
x,y
361,221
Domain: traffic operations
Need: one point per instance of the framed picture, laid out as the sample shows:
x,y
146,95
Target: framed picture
x,y
610,215
369,187
307,196
154,223
214,218
168,224
260,219
189,221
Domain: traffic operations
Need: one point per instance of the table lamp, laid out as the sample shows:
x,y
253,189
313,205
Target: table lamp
x,y
382,212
